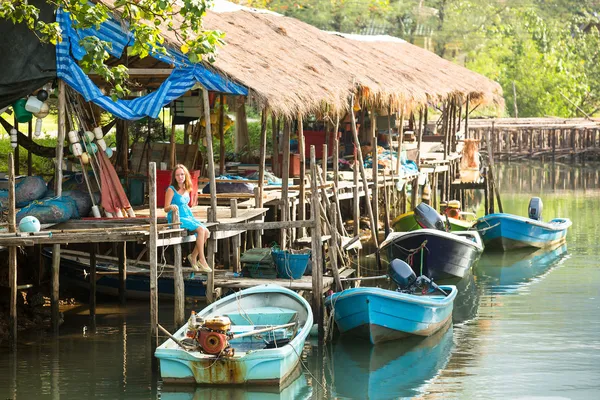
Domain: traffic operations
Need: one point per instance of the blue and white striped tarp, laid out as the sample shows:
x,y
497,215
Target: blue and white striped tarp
x,y
183,78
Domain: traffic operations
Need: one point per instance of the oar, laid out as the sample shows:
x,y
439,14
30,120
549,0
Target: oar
x,y
272,328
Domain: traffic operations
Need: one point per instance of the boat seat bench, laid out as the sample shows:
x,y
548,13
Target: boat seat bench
x,y
263,316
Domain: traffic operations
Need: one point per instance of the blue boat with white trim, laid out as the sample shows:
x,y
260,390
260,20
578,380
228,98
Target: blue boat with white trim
x,y
419,307
507,231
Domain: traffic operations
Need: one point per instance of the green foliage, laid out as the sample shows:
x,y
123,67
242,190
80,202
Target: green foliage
x,y
40,165
146,19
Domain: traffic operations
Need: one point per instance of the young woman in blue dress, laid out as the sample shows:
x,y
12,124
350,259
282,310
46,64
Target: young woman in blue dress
x,y
177,198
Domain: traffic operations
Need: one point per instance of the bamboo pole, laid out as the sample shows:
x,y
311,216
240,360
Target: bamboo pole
x,y
122,250
153,256
400,140
263,152
12,254
178,284
275,149
333,250
62,105
362,171
317,260
212,215
375,172
221,135
93,252
285,179
302,151
467,117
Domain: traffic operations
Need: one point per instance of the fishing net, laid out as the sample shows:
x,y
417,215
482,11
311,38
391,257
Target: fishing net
x,y
28,189
51,211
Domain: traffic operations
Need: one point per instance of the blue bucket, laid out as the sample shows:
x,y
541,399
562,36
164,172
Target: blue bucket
x,y
289,265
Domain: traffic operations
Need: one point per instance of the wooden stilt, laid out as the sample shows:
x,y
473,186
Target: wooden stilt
x,y
122,255
275,138
30,136
301,151
211,246
173,148
178,285
333,249
236,239
153,256
285,179
93,251
363,173
317,260
375,191
356,199
222,134
12,254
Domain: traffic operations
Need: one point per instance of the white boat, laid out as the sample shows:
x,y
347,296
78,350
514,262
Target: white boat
x,y
254,336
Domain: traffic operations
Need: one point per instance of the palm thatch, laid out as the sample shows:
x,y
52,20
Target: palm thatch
x,y
294,68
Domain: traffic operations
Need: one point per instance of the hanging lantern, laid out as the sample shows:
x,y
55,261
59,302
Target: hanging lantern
x,y
13,138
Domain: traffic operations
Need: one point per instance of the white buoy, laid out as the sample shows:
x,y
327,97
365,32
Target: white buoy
x,y
130,212
73,137
119,213
77,149
108,214
101,143
96,211
38,127
13,138
33,105
98,133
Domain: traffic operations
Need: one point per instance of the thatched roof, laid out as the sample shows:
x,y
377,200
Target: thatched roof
x,y
294,68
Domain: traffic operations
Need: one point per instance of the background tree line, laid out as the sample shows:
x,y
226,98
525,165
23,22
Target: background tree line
x,y
547,49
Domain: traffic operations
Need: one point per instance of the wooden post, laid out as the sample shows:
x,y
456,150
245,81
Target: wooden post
x,y
467,117
400,140
212,213
153,256
285,179
324,164
263,153
173,155
93,250
236,239
257,234
375,189
336,182
317,260
334,248
301,151
491,175
30,136
62,104
12,254
419,137
275,135
356,199
17,158
221,135
386,208
414,196
122,255
362,172
178,285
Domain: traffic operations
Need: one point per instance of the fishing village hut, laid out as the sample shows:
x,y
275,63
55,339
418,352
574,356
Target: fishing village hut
x,y
289,70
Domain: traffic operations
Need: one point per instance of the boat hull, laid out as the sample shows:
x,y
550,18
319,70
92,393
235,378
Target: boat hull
x,y
445,256
507,232
76,273
266,305
381,315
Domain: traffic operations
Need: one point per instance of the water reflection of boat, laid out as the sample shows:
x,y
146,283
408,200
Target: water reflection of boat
x,y
298,389
507,272
389,370
466,303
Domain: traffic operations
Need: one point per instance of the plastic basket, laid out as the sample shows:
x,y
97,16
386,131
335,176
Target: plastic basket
x,y
291,265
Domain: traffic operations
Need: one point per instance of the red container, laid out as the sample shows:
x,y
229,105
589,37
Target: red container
x,y
163,181
317,139
294,164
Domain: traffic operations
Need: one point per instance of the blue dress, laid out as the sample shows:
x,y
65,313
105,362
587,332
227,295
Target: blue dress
x,y
187,219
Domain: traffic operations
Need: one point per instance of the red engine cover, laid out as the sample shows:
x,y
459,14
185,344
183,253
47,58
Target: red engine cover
x,y
212,342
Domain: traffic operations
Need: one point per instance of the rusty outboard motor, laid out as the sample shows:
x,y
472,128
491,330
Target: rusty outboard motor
x,y
428,218
212,335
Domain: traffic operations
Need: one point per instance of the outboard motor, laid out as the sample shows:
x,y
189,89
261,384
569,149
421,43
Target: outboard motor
x,y
402,274
535,208
427,217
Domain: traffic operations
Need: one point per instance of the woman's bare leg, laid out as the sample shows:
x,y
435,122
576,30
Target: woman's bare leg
x,y
203,234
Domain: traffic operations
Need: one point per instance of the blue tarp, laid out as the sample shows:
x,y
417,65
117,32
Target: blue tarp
x,y
183,78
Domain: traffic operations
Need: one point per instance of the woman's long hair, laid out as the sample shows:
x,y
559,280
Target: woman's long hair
x,y
187,184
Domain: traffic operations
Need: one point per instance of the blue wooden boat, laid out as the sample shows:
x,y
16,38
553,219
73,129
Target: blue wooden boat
x,y
380,315
507,231
393,370
75,270
252,337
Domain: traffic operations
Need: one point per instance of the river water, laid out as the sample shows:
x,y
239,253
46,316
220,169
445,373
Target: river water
x,y
525,325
